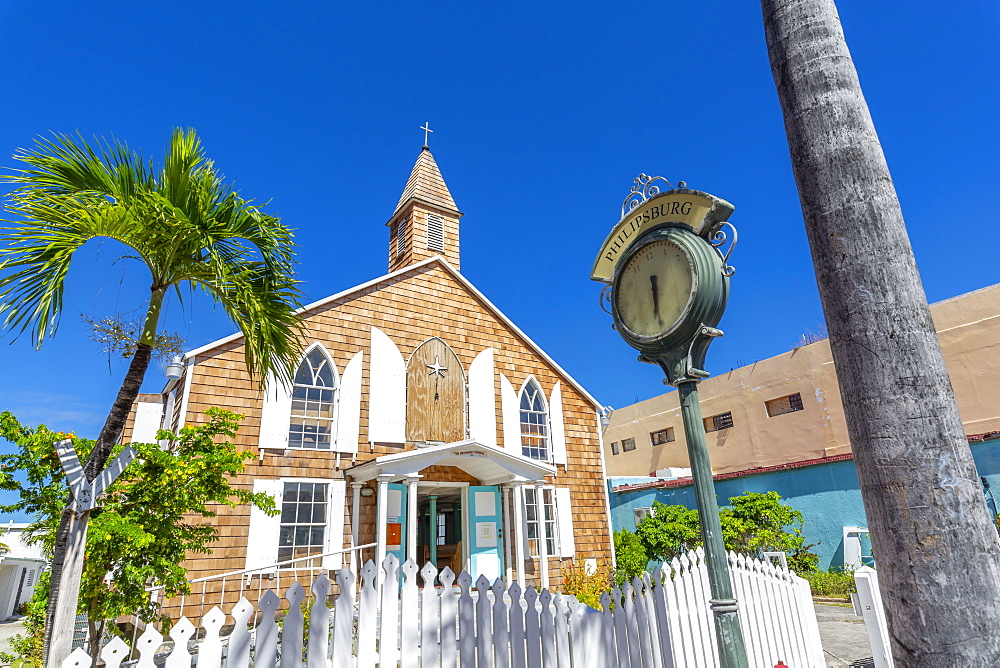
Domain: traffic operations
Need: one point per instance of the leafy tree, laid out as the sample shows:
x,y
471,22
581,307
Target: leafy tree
x,y
631,556
181,221
143,528
672,531
754,523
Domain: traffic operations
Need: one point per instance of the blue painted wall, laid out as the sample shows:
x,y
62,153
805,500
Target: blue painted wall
x,y
827,495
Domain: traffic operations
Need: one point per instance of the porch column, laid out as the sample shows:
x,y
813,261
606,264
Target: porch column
x,y
411,518
543,547
382,518
507,535
433,530
520,526
355,519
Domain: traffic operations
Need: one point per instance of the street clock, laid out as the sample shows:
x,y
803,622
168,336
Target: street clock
x,y
668,278
669,283
667,287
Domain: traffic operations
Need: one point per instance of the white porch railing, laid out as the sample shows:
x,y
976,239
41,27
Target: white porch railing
x,y
213,590
659,621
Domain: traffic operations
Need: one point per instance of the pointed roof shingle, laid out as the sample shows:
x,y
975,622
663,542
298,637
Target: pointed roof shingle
x,y
427,184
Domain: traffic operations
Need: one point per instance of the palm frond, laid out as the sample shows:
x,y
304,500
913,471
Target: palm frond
x,y
183,221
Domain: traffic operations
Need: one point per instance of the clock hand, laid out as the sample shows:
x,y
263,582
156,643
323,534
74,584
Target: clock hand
x,y
656,298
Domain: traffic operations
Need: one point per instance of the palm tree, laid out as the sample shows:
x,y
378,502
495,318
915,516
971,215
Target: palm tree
x,y
182,221
938,563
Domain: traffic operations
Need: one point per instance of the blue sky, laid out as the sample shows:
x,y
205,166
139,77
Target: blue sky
x,y
543,114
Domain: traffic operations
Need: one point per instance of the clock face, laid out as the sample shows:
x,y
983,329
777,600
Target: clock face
x,y
654,288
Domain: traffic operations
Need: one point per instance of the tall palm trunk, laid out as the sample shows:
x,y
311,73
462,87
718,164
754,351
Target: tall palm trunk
x,y
936,548
67,558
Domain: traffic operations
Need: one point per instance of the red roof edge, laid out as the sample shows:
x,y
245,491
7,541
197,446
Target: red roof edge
x,y
682,482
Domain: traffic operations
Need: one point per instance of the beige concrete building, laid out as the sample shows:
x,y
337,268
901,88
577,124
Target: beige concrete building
x,y
788,408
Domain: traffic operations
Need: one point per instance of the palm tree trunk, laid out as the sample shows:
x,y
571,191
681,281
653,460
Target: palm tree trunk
x,y
936,548
62,599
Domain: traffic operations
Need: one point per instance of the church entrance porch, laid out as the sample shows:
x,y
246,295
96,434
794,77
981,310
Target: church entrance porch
x,y
459,505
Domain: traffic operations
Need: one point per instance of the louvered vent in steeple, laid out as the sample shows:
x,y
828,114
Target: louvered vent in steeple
x,y
435,233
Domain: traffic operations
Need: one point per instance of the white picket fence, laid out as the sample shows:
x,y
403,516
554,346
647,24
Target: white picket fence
x,y
868,605
659,621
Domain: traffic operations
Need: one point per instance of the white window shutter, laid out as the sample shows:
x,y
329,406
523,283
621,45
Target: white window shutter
x,y
275,414
349,416
564,515
386,391
511,411
557,430
168,412
483,399
335,523
148,418
262,544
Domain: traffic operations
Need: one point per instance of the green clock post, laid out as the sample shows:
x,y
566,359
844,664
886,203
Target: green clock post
x,y
669,284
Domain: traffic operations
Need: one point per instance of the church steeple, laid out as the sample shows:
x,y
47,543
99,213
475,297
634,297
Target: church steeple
x,y
425,222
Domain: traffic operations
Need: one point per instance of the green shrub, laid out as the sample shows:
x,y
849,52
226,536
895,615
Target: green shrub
x,y
839,584
630,555
586,586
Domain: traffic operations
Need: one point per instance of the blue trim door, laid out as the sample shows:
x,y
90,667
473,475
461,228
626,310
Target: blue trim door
x,y
395,530
485,519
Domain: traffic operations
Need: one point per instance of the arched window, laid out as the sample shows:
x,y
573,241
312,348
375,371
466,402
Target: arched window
x,y
534,423
311,424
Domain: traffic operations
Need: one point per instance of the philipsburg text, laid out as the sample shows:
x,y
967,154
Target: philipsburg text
x,y
651,214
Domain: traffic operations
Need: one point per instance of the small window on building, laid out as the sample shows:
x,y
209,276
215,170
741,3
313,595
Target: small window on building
x,y
400,236
435,232
782,405
662,436
641,513
29,579
720,421
303,520
628,444
546,515
534,423
442,529
614,447
311,424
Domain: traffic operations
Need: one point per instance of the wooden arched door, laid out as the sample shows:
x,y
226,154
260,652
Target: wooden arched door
x,y
435,394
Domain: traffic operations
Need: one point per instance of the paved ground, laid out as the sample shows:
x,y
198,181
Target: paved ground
x,y
845,641
7,629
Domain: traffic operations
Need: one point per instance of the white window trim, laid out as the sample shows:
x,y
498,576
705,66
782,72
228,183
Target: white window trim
x,y
564,536
260,524
335,421
649,512
548,418
555,519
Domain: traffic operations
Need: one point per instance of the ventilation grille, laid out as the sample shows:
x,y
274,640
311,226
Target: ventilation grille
x,y
400,237
435,232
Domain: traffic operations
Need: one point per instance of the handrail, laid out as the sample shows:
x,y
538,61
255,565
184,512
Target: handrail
x,y
270,567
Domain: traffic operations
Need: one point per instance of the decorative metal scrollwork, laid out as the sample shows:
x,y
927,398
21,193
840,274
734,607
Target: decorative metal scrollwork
x,y
644,188
605,299
718,241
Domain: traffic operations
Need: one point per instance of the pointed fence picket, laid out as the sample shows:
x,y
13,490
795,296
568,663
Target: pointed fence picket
x,y
659,620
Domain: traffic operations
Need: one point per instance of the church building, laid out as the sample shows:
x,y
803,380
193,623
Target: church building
x,y
422,423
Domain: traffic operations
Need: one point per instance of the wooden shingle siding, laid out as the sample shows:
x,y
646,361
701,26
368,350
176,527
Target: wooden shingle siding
x,y
415,306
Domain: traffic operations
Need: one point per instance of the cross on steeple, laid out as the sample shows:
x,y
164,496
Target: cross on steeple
x,y
426,128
